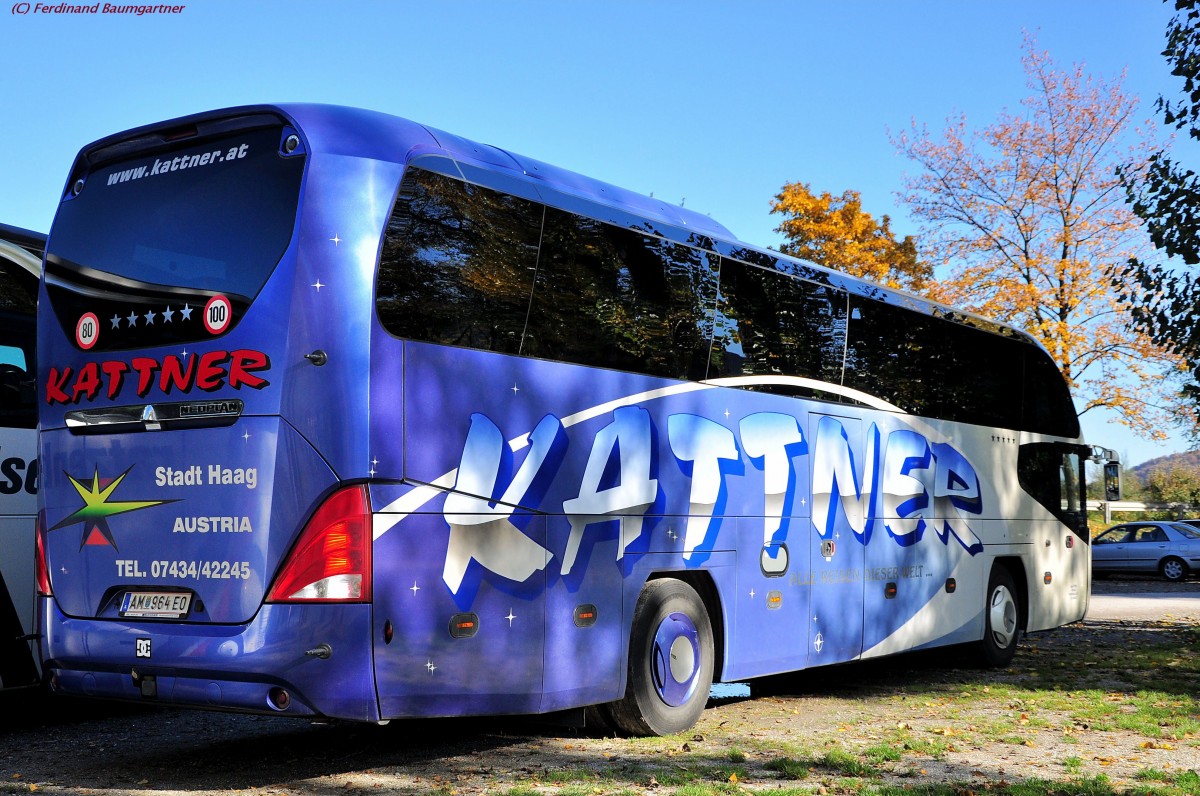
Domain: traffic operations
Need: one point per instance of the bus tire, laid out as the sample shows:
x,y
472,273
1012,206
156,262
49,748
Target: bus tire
x,y
1002,620
670,661
598,720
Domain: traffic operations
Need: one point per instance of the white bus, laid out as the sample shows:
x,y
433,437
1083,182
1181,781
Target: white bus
x,y
20,266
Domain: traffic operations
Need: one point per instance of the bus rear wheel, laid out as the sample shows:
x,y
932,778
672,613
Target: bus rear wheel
x,y
670,661
1002,620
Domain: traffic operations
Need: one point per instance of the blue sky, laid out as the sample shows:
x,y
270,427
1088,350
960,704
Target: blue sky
x,y
715,104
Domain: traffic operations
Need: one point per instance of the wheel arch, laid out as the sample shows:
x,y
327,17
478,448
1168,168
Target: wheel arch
x,y
1016,569
705,587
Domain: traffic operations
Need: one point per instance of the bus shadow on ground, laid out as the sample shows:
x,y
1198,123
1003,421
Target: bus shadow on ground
x,y
86,744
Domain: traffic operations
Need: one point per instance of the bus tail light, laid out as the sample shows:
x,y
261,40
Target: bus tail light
x,y
331,562
43,570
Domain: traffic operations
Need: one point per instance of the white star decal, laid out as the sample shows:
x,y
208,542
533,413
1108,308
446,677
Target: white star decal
x,y
752,594
511,616
429,665
246,436
116,321
186,312
819,643
132,319
168,314
318,284
414,588
335,240
149,316
515,389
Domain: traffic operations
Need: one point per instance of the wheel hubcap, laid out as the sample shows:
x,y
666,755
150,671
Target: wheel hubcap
x,y
675,659
1002,616
1172,569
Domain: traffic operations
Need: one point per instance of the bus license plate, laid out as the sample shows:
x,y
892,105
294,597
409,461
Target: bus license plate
x,y
156,604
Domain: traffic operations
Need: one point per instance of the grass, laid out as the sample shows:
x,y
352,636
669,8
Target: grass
x,y
1089,710
1139,682
790,768
1094,710
882,753
846,763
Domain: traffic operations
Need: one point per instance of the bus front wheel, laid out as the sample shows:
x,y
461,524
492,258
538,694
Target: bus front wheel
x,y
670,661
1002,620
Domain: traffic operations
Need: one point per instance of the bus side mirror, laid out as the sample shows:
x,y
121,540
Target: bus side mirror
x,y
1112,481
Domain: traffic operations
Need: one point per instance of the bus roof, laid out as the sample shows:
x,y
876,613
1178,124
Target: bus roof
x,y
23,247
355,132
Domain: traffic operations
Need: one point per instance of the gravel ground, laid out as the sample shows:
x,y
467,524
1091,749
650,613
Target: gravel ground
x,y
1128,584
93,748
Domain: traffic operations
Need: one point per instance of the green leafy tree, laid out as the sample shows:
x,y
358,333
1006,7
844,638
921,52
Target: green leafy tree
x,y
1166,195
1174,483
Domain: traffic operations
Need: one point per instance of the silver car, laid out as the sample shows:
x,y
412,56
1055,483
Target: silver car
x,y
1171,549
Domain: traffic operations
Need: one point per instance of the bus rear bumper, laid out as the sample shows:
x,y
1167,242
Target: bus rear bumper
x,y
290,660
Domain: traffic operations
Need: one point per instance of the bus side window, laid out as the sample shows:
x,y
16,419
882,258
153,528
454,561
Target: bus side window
x,y
772,323
1046,400
13,357
457,264
898,355
614,298
18,340
934,366
18,395
1052,473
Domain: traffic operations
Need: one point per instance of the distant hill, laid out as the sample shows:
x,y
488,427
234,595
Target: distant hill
x,y
1187,459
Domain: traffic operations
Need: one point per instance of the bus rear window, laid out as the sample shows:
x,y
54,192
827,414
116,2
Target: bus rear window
x,y
214,215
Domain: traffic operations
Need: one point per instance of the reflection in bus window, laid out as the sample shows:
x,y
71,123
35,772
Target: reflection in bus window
x,y
619,299
457,264
773,323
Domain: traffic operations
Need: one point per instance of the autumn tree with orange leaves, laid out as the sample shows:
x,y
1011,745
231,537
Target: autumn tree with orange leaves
x,y
1027,218
834,231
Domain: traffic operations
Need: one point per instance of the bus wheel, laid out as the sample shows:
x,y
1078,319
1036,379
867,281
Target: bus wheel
x,y
1002,620
670,661
598,720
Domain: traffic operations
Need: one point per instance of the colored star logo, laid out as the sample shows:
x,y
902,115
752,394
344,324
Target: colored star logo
x,y
97,508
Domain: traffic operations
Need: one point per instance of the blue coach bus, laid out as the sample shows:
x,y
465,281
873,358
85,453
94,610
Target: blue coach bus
x,y
346,416
20,268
